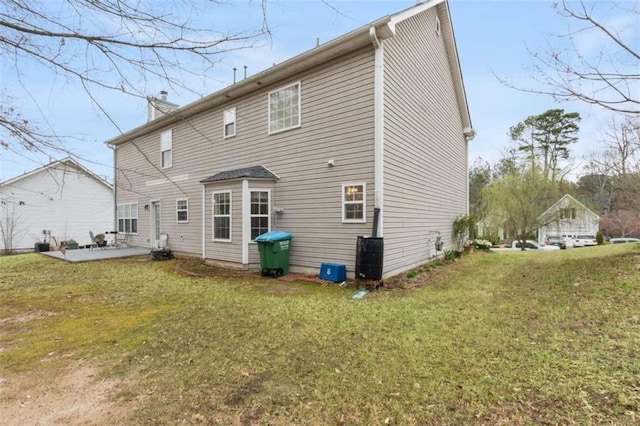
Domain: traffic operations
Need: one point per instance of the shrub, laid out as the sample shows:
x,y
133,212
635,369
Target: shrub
x,y
481,244
450,255
599,238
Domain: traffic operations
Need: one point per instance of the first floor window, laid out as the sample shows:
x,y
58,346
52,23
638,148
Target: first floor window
x,y
353,203
222,216
182,211
128,218
259,213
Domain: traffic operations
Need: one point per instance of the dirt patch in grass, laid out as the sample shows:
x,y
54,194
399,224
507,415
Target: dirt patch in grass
x,y
70,395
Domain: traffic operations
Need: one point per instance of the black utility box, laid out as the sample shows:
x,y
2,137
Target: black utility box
x,y
369,257
41,247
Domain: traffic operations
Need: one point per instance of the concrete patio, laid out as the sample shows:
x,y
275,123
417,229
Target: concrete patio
x,y
87,255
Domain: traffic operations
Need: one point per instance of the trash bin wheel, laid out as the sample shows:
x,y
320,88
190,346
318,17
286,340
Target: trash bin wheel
x,y
278,272
265,272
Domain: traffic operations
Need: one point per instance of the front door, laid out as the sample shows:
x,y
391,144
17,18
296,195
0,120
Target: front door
x,y
155,223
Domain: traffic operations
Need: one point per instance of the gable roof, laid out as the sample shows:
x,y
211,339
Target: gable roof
x,y
572,200
254,172
360,37
67,161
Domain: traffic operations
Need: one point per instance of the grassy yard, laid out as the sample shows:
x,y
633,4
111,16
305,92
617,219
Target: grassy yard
x,y
496,338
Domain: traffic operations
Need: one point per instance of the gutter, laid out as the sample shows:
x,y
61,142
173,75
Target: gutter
x,y
323,53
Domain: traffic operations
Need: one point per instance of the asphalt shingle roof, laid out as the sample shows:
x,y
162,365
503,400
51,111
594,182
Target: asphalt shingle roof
x,y
254,172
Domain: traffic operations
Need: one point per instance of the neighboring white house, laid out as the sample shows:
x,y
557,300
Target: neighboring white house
x,y
567,217
62,197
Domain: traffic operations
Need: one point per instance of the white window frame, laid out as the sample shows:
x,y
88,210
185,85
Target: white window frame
x,y
229,117
214,216
251,215
185,209
274,129
166,146
125,213
346,202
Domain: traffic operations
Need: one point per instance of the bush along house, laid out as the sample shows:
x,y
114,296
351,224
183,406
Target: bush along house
x,y
376,119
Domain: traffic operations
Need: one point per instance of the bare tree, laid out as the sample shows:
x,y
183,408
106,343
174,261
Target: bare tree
x,y
9,225
112,44
608,76
613,179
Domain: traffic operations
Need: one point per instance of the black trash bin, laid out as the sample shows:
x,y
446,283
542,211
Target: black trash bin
x,y
369,258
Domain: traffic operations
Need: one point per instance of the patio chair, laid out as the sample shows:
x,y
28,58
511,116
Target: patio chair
x,y
122,240
97,240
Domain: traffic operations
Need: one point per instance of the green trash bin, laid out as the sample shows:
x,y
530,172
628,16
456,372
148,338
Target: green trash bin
x,y
274,249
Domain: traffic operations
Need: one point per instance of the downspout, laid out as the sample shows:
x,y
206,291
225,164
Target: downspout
x,y
246,223
115,188
378,126
204,221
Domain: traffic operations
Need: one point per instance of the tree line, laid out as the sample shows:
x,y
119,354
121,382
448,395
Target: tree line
x,y
534,173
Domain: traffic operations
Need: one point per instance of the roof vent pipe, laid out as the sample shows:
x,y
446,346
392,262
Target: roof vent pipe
x,y
163,95
245,71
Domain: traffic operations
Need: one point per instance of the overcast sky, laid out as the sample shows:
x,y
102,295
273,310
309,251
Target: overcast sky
x,y
495,39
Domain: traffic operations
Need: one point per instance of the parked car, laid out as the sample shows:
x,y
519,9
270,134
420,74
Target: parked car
x,y
585,240
532,245
624,240
557,241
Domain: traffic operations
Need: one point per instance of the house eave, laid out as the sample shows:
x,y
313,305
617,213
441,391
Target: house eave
x,y
323,53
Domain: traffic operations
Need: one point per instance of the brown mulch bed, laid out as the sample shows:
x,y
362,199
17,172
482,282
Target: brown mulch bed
x,y
409,280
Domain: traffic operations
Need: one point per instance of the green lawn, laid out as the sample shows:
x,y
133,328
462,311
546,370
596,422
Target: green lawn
x,y
496,338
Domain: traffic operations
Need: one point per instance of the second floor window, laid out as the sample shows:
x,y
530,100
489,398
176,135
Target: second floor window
x,y
229,122
166,142
284,108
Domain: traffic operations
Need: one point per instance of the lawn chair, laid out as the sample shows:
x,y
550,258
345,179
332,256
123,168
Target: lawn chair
x,y
122,240
97,240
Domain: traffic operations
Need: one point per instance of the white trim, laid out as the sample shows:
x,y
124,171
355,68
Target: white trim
x,y
299,84
227,113
178,210
246,221
413,11
204,223
378,96
213,227
364,202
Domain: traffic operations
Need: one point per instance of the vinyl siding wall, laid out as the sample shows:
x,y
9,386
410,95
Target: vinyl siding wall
x,y
425,152
336,123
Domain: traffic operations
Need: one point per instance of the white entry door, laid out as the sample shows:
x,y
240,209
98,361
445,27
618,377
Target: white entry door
x,y
155,223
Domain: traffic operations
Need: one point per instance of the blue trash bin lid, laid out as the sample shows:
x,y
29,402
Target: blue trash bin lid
x,y
274,236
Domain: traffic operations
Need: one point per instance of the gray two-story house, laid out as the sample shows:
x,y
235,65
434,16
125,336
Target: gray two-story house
x,y
376,118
